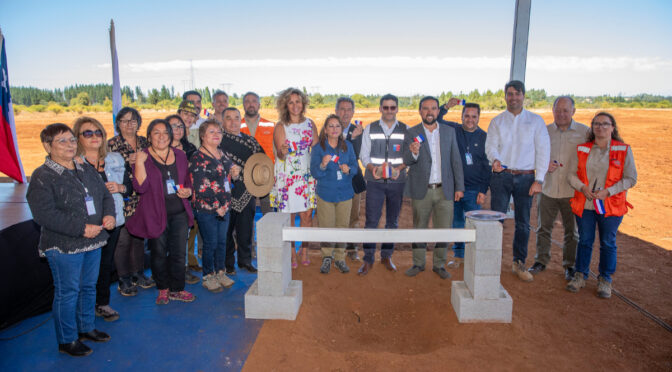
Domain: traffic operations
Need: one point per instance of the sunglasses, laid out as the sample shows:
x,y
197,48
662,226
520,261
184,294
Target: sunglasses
x,y
89,133
389,108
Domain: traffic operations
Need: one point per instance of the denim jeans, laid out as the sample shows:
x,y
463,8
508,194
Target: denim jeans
x,y
168,253
466,204
504,185
607,227
213,230
75,277
378,193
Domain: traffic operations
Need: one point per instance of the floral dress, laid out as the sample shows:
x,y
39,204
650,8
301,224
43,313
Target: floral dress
x,y
294,189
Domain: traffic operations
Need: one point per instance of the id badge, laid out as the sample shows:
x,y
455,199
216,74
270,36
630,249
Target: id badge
x,y
90,207
170,186
468,158
227,186
339,175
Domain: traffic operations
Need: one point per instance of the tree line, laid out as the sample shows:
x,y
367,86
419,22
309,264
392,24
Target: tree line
x,y
97,97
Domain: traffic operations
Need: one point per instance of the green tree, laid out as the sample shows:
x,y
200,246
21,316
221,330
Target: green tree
x,y
82,98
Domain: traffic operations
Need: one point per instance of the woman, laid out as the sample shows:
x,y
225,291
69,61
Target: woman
x,y
293,137
333,164
211,174
92,150
180,140
129,256
163,215
71,204
602,171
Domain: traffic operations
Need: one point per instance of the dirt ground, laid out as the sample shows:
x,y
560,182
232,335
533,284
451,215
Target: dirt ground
x,y
387,321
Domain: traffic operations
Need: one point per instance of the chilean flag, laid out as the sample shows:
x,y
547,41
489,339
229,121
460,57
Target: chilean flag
x,y
10,161
292,147
599,206
419,138
335,159
387,171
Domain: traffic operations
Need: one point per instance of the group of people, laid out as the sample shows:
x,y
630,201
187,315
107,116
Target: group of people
x,y
100,201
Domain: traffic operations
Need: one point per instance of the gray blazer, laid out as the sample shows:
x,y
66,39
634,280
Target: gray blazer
x,y
452,176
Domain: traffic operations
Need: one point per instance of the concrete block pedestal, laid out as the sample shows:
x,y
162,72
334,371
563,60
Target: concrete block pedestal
x,y
274,295
481,297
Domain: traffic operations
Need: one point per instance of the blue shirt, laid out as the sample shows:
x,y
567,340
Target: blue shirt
x,y
329,188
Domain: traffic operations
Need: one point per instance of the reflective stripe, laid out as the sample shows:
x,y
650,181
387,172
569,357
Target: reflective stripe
x,y
377,160
377,136
395,161
264,124
618,148
243,125
584,149
397,136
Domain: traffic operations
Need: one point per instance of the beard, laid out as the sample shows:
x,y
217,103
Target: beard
x,y
251,112
429,120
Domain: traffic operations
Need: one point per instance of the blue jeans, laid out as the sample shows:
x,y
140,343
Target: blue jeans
x,y
75,277
607,227
213,230
504,185
378,193
466,204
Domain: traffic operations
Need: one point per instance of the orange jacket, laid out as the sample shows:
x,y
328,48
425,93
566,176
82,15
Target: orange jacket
x,y
263,135
614,205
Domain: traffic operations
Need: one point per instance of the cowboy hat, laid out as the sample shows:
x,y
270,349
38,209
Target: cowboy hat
x,y
258,174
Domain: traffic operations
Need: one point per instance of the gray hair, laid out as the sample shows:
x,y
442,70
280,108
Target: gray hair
x,y
219,93
561,97
345,99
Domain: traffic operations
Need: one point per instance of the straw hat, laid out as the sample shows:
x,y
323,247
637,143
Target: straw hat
x,y
258,174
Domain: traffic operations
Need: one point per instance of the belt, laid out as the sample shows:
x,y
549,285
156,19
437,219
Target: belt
x,y
434,185
516,172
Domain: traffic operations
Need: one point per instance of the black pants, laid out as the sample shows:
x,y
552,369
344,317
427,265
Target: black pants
x,y
106,268
168,251
129,255
242,223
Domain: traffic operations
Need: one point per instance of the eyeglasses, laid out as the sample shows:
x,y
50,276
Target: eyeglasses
x,y
601,124
128,123
66,141
389,108
177,126
89,133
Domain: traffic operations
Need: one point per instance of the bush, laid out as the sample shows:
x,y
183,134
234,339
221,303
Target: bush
x,y
55,108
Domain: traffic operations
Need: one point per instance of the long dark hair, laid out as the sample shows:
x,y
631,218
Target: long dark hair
x,y
323,134
614,133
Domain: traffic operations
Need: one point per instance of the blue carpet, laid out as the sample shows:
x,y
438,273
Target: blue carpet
x,y
209,334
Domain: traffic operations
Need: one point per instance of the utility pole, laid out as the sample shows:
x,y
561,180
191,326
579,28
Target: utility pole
x,y
521,33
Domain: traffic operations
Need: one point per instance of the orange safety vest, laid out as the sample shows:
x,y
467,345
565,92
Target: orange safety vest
x,y
614,205
263,135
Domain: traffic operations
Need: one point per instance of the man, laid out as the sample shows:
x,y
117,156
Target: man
x,y
385,175
519,149
262,130
471,142
195,98
345,109
239,147
565,135
220,101
435,180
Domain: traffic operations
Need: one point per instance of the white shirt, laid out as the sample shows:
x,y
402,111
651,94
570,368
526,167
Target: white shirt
x,y
519,142
434,150
365,151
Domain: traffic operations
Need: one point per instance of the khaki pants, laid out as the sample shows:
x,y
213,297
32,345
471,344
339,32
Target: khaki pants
x,y
440,209
333,215
547,210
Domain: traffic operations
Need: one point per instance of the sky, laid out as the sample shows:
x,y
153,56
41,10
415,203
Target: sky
x,y
371,47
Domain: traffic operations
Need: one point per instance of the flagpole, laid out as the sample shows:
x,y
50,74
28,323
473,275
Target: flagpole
x,y
10,159
116,86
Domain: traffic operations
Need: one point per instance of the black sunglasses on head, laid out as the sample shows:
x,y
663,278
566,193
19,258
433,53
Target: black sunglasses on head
x,y
89,133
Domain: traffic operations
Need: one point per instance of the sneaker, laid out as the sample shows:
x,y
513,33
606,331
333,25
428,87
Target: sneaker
x,y
569,273
536,268
224,280
352,255
230,271
576,283
107,313
414,270
326,265
126,287
455,263
190,278
139,279
183,296
211,283
603,288
162,298
441,272
341,266
518,268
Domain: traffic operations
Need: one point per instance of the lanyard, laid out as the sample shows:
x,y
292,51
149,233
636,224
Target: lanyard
x,y
165,161
80,181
